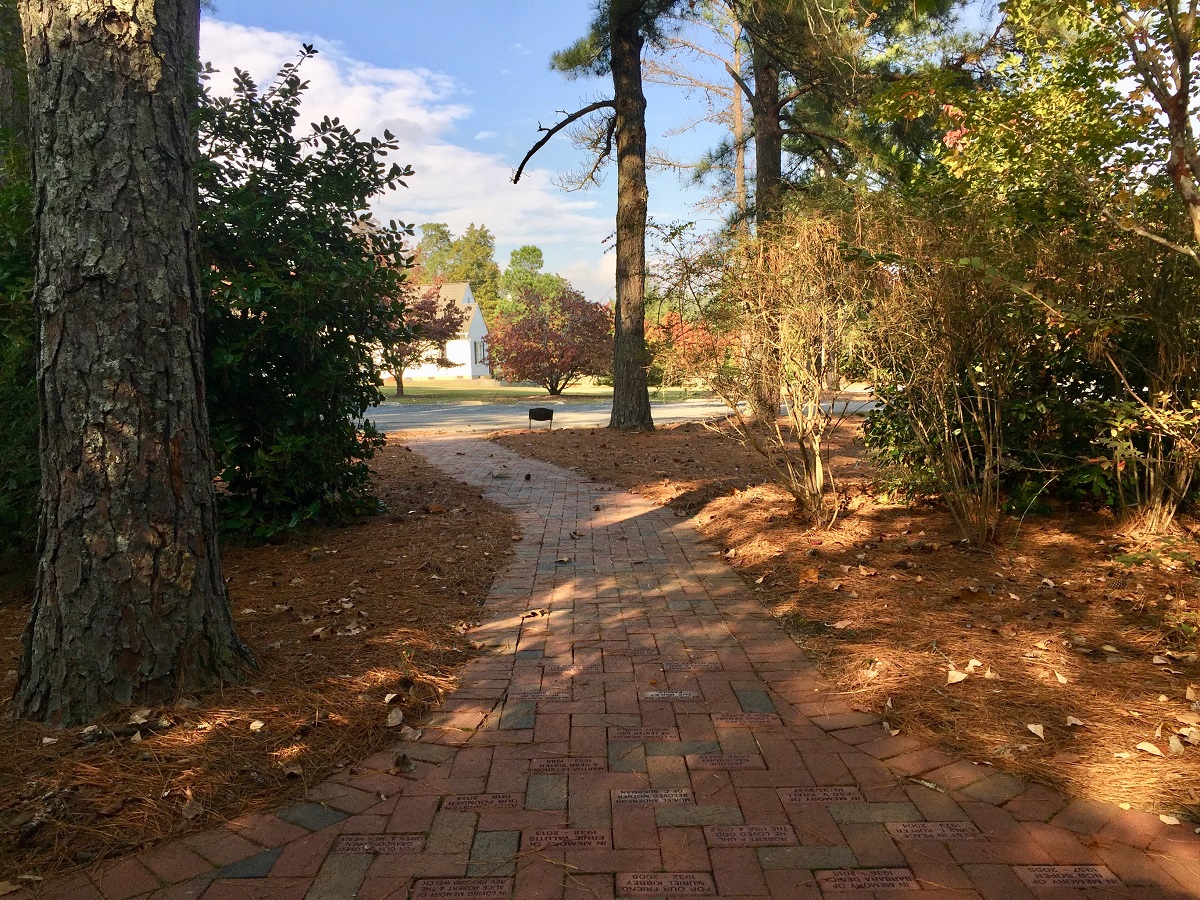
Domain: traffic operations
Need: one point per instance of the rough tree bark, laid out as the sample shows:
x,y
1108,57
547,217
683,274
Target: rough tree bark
x,y
631,393
768,137
13,102
130,605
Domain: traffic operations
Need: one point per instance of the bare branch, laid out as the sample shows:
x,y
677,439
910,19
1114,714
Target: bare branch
x,y
555,129
736,76
1149,235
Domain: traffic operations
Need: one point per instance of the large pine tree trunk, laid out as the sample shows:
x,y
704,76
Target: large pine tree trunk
x,y
130,605
631,394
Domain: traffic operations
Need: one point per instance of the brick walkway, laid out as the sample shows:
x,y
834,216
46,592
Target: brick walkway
x,y
641,728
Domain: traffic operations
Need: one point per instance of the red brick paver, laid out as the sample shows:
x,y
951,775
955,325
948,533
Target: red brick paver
x,y
602,749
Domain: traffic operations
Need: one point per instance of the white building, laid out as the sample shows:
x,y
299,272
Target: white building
x,y
468,351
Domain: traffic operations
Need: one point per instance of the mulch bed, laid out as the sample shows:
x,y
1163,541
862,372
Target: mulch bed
x,y
339,618
1064,617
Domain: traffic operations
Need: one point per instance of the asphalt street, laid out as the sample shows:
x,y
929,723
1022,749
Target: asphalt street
x,y
486,417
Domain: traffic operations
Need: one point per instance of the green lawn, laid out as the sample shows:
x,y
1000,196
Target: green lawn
x,y
426,392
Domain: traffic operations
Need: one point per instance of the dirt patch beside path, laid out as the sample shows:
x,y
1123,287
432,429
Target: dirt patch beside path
x,y
338,618
1065,621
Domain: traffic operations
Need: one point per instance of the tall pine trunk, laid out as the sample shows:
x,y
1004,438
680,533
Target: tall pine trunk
x,y
130,606
631,393
13,103
768,137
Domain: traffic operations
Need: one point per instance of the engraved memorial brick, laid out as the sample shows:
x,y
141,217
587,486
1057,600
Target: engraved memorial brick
x,y
670,695
672,665
540,696
647,796
638,735
581,669
568,765
1067,876
820,795
566,839
934,831
749,835
463,889
867,880
657,884
735,720
724,761
483,801
379,843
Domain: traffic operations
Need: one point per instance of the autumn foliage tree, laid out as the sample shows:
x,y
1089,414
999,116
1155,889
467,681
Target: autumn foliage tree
x,y
555,341
427,323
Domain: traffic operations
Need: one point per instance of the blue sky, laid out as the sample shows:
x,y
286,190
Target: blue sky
x,y
465,84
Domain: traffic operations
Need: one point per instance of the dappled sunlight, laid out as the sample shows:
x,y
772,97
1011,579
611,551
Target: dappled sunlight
x,y
961,647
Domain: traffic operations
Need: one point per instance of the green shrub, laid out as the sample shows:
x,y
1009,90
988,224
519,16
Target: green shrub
x,y
300,284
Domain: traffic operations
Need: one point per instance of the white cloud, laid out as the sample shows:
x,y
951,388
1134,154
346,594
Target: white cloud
x,y
452,183
485,136
597,280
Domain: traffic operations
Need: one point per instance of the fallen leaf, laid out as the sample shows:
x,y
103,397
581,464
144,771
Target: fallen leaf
x,y
395,717
47,741
954,677
1071,720
389,698
810,576
137,738
1175,746
863,570
1038,730
1110,648
257,725
293,771
410,734
1160,660
1062,679
990,675
892,732
1190,693
7,887
1150,748
192,809
404,764
140,717
1046,582
1168,820
1124,754
973,665
843,624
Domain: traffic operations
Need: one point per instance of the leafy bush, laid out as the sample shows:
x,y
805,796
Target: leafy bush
x,y
301,285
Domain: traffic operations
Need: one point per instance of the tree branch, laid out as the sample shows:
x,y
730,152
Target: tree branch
x,y
555,129
1149,235
740,81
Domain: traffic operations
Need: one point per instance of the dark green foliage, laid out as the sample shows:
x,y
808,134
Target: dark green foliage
x,y
300,284
19,476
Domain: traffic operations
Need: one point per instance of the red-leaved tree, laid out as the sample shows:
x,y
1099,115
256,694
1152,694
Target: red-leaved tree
x,y
427,323
555,341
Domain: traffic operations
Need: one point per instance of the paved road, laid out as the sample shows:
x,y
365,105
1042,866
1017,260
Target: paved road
x,y
484,417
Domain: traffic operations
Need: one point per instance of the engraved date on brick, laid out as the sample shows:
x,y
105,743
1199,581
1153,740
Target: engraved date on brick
x,y
656,884
724,761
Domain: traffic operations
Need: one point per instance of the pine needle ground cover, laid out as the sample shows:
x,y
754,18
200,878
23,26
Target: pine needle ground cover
x,y
354,627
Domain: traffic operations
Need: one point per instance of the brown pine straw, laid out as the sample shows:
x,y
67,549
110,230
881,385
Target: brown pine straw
x,y
414,579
